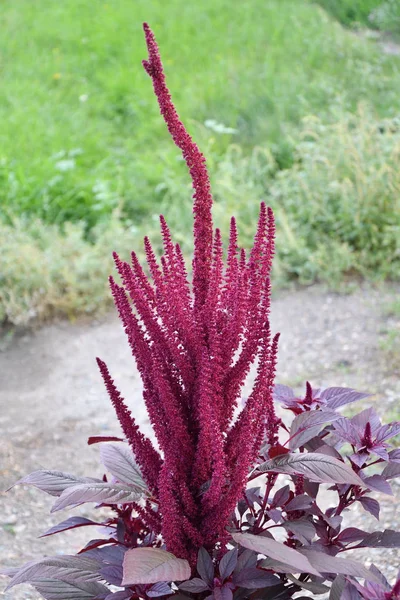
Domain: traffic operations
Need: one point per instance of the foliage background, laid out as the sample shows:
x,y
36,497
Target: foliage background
x,y
291,101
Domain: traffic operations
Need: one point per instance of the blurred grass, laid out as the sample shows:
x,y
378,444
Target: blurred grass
x,y
81,134
380,14
337,208
82,141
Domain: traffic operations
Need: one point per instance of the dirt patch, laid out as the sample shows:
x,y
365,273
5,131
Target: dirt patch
x,y
52,399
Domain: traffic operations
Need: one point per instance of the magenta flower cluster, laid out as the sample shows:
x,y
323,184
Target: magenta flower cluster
x,y
194,346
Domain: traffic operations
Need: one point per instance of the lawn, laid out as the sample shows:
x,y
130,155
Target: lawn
x,y
82,140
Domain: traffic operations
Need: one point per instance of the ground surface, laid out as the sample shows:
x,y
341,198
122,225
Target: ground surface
x,y
51,400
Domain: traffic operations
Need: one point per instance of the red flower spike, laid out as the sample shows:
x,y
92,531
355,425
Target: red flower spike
x,y
194,348
197,167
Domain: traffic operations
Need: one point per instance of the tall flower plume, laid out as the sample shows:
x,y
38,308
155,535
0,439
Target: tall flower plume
x,y
194,344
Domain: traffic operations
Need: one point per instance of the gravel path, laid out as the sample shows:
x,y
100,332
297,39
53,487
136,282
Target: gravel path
x,y
52,399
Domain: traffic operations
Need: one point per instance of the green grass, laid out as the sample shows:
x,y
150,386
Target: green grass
x,y
82,140
81,134
380,14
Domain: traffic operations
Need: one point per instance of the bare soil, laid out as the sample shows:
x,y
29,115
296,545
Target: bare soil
x,y
52,399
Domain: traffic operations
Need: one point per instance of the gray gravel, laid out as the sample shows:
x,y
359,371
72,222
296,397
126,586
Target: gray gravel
x,y
52,399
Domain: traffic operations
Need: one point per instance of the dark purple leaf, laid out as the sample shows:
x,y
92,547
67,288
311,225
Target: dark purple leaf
x,y
281,496
97,439
277,551
311,488
159,589
351,534
222,593
275,514
54,589
101,492
382,539
301,502
350,593
282,393
378,483
151,565
307,425
120,462
366,416
246,559
95,544
228,563
319,446
11,571
302,529
380,576
195,586
333,564
335,397
71,523
370,505
346,431
253,495
53,482
69,568
123,595
311,586
112,574
387,431
394,455
112,555
317,467
337,588
205,566
391,470
253,579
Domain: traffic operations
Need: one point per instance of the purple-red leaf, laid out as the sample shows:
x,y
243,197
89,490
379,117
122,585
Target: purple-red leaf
x,y
301,502
71,523
302,529
333,564
120,462
351,534
308,424
281,496
370,505
335,397
337,588
316,467
378,483
246,559
228,563
123,595
391,470
277,551
205,566
159,589
102,492
283,393
194,586
222,593
112,574
311,586
69,568
253,579
382,539
54,589
53,482
97,439
151,565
